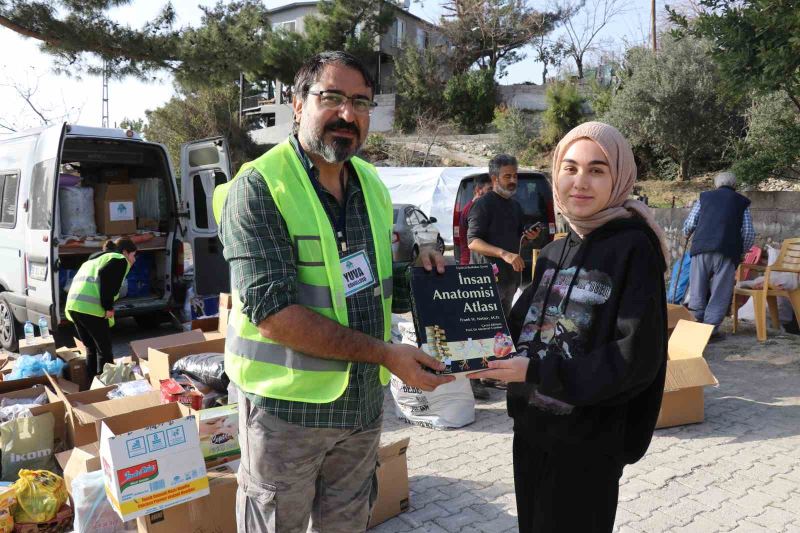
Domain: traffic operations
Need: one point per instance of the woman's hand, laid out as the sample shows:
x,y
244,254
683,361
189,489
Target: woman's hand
x,y
509,370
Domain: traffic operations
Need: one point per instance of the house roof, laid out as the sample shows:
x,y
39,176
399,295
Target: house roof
x,y
310,3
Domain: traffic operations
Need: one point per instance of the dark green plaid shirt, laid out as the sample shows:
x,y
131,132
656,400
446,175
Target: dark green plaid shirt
x,y
262,263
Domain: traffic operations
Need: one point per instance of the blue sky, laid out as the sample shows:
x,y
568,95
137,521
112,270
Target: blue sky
x,y
81,98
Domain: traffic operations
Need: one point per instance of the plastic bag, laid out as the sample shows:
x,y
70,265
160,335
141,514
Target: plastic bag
x,y
76,205
130,388
37,400
40,494
207,368
29,366
27,443
12,412
93,512
116,373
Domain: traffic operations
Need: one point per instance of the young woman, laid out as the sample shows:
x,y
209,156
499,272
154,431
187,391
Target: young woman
x,y
90,301
590,332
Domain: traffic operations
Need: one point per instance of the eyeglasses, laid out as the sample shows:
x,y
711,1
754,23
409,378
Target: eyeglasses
x,y
335,100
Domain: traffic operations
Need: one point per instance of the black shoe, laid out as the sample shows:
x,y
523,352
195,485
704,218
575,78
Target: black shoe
x,y
479,391
791,327
717,336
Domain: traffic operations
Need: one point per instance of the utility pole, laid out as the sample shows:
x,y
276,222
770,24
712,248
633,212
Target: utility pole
x,y
105,94
653,23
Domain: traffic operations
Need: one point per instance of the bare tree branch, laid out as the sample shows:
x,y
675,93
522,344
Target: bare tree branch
x,y
582,34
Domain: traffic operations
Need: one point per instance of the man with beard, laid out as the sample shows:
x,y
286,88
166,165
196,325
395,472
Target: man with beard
x,y
495,228
306,229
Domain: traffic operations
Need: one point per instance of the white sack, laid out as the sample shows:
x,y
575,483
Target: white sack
x,y
76,205
788,280
93,512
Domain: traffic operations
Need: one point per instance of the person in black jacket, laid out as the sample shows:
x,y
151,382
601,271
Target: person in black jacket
x,y
591,336
94,330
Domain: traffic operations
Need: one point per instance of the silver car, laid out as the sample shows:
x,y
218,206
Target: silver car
x,y
412,229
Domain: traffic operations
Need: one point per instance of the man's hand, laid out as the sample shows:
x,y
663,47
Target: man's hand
x,y
509,370
532,233
514,260
110,314
406,362
430,256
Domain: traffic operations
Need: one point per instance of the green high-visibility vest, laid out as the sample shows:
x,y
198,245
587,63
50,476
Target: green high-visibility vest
x,y
84,293
262,366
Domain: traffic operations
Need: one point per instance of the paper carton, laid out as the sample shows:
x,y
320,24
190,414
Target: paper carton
x,y
75,370
215,513
84,409
676,313
48,381
151,460
392,474
218,429
37,346
160,361
78,461
141,346
172,391
687,374
115,208
55,407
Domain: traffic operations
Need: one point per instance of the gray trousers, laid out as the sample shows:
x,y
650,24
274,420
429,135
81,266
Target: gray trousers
x,y
291,474
714,274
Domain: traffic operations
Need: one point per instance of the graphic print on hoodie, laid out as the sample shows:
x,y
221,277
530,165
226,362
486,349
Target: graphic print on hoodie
x,y
568,318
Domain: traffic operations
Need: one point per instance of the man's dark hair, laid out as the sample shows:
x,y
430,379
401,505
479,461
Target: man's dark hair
x,y
312,69
499,161
482,180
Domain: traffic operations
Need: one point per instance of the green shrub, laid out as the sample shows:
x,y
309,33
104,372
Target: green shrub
x,y
564,111
515,129
419,88
470,98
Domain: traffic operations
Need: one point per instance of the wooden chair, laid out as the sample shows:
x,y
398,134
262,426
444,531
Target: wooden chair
x,y
788,261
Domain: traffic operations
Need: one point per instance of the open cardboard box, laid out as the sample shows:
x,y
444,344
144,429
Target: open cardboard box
x,y
84,409
75,369
160,361
37,346
687,374
55,407
676,313
140,347
77,461
392,474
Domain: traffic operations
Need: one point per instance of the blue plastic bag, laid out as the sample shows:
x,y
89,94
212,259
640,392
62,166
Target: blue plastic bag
x,y
29,366
677,287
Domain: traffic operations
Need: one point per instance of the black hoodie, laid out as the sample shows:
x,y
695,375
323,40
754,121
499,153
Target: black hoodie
x,y
598,355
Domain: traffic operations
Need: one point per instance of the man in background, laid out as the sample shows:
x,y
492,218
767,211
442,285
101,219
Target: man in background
x,y
723,232
483,184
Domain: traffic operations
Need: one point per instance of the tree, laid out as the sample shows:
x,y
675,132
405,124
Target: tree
x,y
33,112
206,112
419,86
469,99
133,124
772,144
490,33
82,38
754,42
583,23
564,111
549,53
671,102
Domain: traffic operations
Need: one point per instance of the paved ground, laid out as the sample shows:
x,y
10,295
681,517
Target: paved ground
x,y
737,471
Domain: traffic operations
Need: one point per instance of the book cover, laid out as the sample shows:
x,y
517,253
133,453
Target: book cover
x,y
458,317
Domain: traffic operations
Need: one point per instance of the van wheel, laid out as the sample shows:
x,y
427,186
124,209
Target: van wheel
x,y
9,329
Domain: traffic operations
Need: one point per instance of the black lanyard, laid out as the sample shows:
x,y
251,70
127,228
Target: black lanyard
x,y
339,223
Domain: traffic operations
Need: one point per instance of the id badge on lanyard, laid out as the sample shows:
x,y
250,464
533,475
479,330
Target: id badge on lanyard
x,y
356,273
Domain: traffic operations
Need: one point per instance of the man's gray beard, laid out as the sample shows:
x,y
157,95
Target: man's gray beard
x,y
339,151
505,193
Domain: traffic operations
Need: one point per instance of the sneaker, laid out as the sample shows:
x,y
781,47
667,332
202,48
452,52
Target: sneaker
x,y
717,336
479,390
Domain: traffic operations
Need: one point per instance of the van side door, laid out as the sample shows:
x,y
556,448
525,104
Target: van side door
x,y
205,164
41,207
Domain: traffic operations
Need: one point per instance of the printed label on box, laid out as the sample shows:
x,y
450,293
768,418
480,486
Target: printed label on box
x,y
120,211
134,475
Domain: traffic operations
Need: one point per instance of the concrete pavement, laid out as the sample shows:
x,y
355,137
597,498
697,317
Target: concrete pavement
x,y
738,471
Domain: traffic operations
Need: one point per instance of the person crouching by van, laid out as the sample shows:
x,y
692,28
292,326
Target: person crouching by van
x,y
90,302
591,333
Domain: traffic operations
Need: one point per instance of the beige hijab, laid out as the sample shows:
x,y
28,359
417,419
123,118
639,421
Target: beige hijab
x,y
619,154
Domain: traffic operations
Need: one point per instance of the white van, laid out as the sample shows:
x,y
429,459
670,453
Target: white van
x,y
35,256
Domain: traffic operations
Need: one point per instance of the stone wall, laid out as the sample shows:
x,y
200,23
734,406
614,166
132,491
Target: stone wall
x,y
776,216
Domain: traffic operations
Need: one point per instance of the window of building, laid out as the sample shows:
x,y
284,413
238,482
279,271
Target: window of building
x,y
9,184
289,25
399,32
423,39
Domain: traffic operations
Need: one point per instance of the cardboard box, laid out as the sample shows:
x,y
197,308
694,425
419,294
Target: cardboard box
x,y
75,371
151,460
48,381
115,208
676,313
161,361
215,513
37,345
115,175
77,461
140,348
687,374
218,428
392,476
84,409
56,408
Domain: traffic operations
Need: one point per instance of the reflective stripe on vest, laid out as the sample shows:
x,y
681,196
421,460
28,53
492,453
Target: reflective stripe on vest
x,y
261,366
84,293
